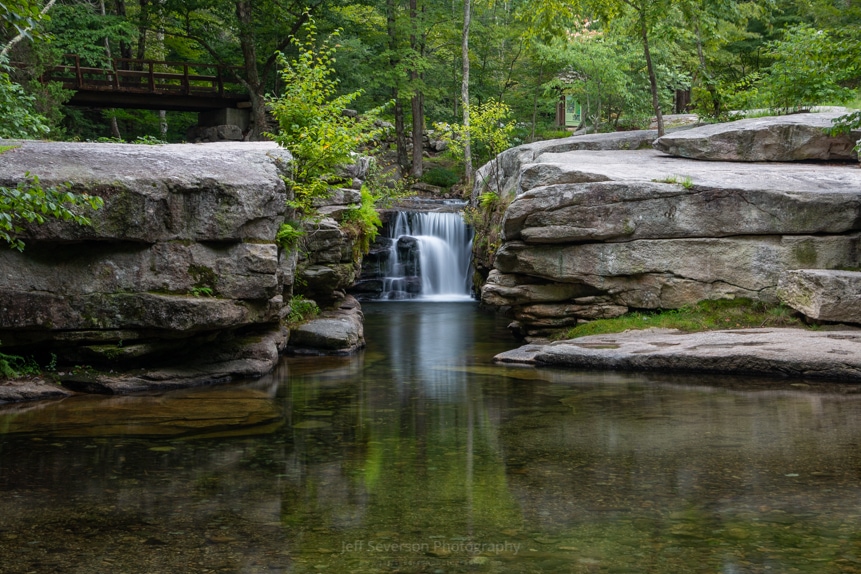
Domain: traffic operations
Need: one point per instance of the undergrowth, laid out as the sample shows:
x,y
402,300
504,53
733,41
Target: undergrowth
x,y
704,316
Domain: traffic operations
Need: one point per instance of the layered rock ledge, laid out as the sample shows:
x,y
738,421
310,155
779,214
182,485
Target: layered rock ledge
x,y
178,282
592,233
795,353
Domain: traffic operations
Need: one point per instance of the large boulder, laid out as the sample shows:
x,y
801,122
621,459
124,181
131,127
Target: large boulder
x,y
591,233
337,331
179,271
822,294
796,137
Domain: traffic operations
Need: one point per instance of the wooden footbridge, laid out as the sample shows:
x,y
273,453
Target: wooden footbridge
x,y
151,85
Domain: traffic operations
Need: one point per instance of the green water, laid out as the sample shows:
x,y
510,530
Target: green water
x,y
420,456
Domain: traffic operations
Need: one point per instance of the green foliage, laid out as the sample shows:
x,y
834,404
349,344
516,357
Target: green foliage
x,y
301,310
289,234
486,221
18,117
29,202
686,182
845,123
362,223
440,176
148,140
201,291
604,74
811,67
704,316
311,121
490,132
14,366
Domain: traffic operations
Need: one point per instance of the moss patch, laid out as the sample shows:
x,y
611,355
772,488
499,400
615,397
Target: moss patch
x,y
704,316
5,148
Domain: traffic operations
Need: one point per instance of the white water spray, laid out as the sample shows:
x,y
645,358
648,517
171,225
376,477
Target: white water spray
x,y
444,252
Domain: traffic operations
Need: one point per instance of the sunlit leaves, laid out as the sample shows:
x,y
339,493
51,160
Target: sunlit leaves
x,y
29,202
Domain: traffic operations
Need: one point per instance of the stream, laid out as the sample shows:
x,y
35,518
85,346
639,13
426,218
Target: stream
x,y
419,455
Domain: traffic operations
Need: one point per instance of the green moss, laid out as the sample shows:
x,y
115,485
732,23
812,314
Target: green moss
x,y
805,253
5,148
704,316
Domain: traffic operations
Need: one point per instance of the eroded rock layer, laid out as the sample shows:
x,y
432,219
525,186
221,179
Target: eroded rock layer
x,y
179,267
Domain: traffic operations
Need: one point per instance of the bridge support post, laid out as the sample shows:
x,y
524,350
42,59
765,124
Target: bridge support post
x,y
219,125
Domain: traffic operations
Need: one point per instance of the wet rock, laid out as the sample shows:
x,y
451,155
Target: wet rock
x,y
336,331
30,390
795,137
823,295
793,353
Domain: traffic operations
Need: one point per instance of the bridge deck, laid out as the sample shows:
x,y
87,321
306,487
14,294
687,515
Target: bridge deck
x,y
151,84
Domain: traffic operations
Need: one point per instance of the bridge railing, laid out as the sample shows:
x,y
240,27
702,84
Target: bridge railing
x,y
132,75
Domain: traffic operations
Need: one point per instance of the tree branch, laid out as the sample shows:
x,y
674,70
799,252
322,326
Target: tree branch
x,y
23,34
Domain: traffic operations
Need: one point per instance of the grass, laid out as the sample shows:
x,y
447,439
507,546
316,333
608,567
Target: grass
x,y
685,182
704,316
5,148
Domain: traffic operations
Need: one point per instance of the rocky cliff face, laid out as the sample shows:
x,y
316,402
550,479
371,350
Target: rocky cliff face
x,y
179,267
591,233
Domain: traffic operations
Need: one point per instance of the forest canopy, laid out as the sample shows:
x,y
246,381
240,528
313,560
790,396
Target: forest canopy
x,y
625,61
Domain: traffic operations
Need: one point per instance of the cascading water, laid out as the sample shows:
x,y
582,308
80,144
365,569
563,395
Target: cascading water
x,y
429,257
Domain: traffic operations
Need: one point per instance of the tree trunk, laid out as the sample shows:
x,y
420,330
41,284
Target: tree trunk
x,y
535,101
464,96
417,106
417,101
653,82
400,128
143,25
252,78
125,47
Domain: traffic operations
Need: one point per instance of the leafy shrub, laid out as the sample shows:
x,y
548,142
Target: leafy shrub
x,y
363,223
289,234
18,116
311,121
301,310
810,67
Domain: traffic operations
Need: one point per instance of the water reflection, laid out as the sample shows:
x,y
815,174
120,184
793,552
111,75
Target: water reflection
x,y
420,456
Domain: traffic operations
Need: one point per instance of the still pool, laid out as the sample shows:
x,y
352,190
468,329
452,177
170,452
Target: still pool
x,y
419,455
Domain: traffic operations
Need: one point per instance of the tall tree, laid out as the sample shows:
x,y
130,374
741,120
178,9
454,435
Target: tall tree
x,y
464,95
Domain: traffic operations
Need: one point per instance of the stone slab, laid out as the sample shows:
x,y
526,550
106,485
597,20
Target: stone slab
x,y
669,273
796,353
629,210
794,137
822,294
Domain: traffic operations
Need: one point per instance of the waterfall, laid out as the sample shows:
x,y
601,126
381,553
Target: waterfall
x,y
429,257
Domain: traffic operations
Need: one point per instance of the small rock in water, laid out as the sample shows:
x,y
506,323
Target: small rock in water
x,y
311,425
